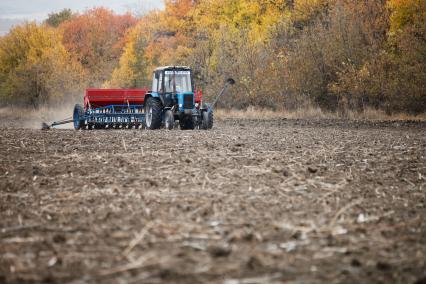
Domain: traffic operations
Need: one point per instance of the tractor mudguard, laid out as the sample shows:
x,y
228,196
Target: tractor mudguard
x,y
151,95
155,95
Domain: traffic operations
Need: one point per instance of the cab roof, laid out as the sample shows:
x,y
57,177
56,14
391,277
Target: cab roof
x,y
173,68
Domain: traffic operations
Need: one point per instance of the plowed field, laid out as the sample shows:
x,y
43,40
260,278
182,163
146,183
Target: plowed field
x,y
252,201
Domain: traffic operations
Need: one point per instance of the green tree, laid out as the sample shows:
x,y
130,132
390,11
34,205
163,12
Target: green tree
x,y
55,19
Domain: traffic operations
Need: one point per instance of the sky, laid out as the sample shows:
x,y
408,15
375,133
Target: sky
x,y
13,12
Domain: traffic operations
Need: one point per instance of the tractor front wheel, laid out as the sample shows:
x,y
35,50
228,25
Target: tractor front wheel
x,y
153,110
169,120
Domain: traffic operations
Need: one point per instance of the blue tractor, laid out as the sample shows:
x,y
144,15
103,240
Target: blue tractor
x,y
173,98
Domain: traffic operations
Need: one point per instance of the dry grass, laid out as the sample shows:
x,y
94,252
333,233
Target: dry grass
x,y
372,114
32,118
311,113
259,113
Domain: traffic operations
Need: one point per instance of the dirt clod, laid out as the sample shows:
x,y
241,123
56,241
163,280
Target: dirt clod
x,y
220,250
59,239
381,265
312,170
421,280
355,262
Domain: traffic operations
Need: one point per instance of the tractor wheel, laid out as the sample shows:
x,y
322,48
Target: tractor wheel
x,y
187,123
207,119
169,120
153,110
78,117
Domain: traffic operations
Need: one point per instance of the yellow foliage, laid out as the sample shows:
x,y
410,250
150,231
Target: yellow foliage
x,y
405,12
305,9
35,64
160,38
254,17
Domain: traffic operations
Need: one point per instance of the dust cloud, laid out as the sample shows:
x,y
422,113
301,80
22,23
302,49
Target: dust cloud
x,y
30,118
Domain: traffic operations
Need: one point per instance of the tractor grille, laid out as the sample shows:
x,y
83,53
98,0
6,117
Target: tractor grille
x,y
188,101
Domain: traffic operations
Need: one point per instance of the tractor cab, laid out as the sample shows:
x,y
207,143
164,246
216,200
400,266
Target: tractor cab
x,y
173,85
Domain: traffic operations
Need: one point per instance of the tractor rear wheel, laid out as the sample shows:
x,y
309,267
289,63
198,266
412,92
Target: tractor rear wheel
x,y
186,122
78,117
153,110
207,119
169,120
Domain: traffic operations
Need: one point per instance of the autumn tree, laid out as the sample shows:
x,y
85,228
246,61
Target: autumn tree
x,y
408,55
96,38
393,77
160,38
339,41
336,54
132,71
232,39
35,68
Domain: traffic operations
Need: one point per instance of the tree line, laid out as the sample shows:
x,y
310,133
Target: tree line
x,y
284,54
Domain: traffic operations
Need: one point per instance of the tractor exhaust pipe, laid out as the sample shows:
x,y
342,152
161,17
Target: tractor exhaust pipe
x,y
228,82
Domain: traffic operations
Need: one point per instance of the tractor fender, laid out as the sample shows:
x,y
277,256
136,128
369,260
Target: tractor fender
x,y
151,95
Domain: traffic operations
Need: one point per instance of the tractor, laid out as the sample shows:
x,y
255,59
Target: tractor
x,y
173,98
172,101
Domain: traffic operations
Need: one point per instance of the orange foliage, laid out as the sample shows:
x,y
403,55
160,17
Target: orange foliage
x,y
96,38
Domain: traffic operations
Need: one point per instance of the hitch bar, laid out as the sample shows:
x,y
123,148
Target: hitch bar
x,y
46,126
228,82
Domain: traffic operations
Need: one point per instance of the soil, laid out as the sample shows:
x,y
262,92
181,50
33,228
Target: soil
x,y
251,201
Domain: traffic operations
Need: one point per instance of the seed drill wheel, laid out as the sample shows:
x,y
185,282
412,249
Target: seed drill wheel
x,y
78,117
153,113
169,120
207,119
